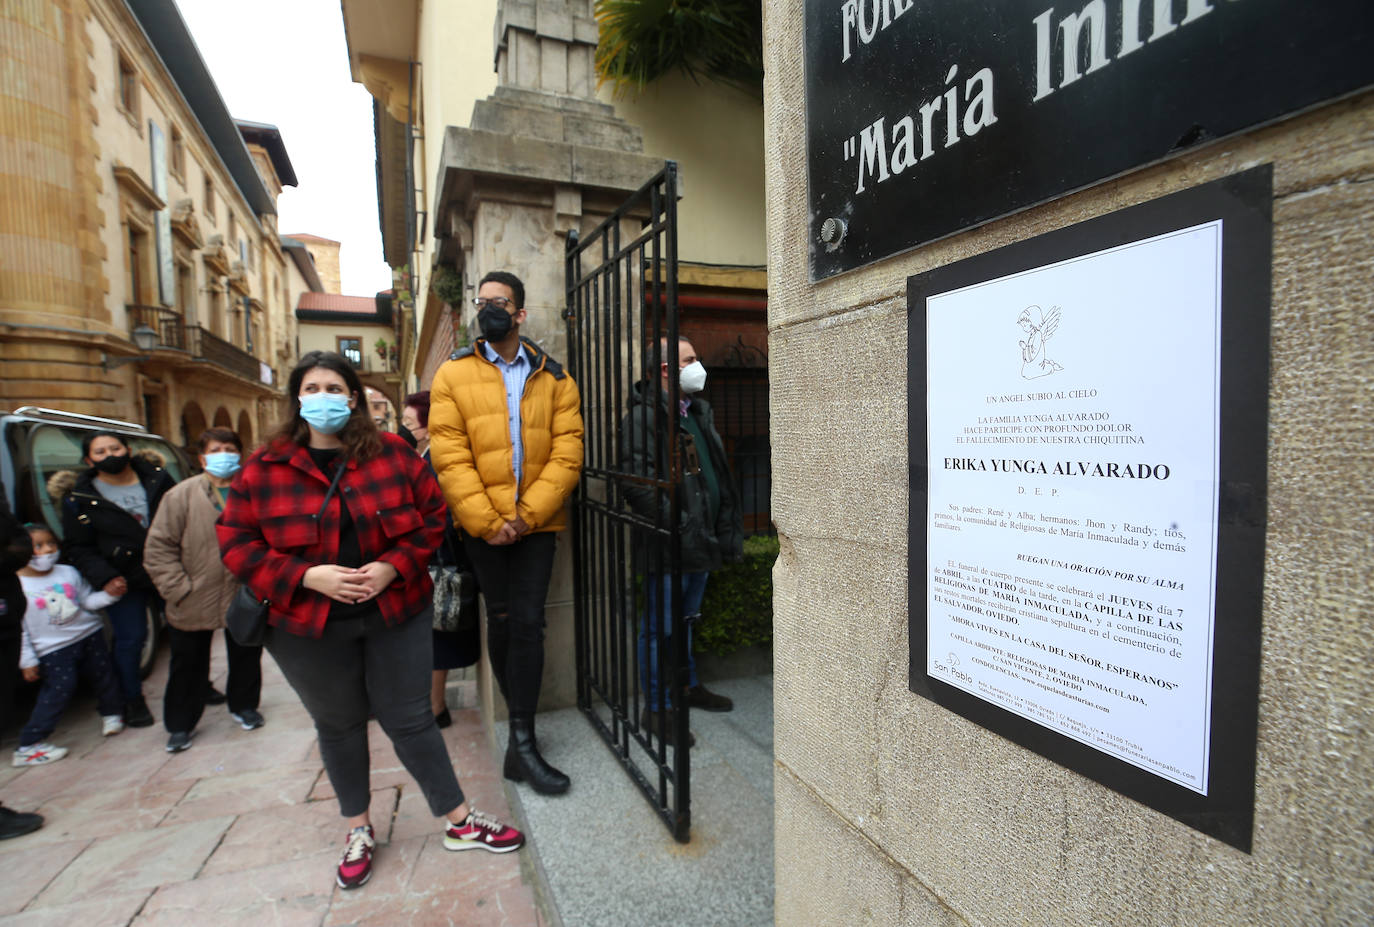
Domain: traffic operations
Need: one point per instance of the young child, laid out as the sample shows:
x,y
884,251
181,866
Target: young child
x,y
61,639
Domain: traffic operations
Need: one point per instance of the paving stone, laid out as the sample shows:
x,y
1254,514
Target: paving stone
x,y
113,909
296,892
101,812
278,835
30,868
73,773
136,859
413,818
267,751
246,792
226,833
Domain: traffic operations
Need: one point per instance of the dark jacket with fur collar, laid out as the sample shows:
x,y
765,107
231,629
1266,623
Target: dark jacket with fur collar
x,y
99,538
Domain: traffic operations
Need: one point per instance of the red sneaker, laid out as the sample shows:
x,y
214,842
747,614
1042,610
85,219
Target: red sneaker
x,y
480,830
356,866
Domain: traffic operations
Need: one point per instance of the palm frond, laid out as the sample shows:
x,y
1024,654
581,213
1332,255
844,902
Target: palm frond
x,y
642,40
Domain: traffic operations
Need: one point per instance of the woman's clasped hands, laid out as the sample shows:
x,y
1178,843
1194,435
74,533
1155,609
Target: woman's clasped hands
x,y
349,584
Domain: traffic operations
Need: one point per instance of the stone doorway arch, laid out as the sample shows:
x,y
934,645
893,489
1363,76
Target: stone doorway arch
x,y
192,424
223,419
245,430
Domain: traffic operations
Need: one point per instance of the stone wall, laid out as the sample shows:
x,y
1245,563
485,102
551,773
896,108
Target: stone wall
x,y
892,810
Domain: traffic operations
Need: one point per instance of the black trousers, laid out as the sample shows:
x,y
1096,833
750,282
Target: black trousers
x,y
361,664
515,582
188,677
9,675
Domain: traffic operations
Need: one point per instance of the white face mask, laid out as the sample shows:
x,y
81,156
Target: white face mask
x,y
44,562
692,378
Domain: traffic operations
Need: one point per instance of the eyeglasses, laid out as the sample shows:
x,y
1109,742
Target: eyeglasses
x,y
482,302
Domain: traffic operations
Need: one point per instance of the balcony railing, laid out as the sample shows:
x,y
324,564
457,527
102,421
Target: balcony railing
x,y
217,351
168,323
173,332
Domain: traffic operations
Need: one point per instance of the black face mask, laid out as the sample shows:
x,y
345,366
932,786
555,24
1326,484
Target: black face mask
x,y
115,463
408,436
495,323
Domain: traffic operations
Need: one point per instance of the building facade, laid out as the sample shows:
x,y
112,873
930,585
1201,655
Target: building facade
x,y
133,202
358,328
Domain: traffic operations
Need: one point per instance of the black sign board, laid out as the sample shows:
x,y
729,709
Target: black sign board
x,y
925,118
1088,507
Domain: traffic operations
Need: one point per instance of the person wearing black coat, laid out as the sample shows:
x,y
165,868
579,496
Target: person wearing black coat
x,y
710,521
105,519
15,550
452,649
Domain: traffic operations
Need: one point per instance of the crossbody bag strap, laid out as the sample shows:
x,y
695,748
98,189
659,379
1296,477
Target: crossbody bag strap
x,y
338,472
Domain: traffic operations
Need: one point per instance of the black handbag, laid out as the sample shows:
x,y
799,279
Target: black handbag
x,y
455,595
246,617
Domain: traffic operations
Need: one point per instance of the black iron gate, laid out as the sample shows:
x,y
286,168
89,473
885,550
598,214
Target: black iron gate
x,y
622,320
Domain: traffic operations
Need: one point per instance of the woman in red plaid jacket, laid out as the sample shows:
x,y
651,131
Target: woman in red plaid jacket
x,y
334,523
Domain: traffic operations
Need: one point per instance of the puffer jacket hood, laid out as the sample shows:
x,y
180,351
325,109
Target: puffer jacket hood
x,y
64,481
539,360
99,538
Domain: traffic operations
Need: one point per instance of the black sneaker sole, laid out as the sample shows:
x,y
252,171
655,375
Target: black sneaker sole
x,y
21,830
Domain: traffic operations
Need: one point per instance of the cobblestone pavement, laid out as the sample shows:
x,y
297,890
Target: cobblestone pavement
x,y
243,828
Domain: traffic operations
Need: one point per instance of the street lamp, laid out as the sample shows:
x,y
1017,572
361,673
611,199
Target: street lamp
x,y
145,339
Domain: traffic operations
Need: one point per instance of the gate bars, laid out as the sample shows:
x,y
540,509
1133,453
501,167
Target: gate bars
x,y
622,320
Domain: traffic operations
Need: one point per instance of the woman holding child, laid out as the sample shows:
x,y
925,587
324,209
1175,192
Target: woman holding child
x,y
333,523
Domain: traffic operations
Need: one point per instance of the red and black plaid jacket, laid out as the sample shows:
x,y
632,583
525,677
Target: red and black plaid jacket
x,y
269,535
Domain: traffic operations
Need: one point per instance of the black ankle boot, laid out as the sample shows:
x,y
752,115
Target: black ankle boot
x,y
524,764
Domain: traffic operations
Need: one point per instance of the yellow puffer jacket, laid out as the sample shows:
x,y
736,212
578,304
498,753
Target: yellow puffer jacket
x,y
470,446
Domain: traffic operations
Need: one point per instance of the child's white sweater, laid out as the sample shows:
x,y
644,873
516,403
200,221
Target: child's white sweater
x,y
59,611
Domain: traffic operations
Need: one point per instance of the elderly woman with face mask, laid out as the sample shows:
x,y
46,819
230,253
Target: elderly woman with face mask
x,y
182,557
333,523
105,519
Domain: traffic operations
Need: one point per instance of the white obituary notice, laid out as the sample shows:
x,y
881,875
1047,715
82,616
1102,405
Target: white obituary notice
x,y
1073,435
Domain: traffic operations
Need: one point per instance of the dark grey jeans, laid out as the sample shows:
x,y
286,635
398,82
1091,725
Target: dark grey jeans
x,y
361,665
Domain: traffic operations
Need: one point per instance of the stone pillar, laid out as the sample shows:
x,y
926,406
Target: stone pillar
x,y
930,819
542,157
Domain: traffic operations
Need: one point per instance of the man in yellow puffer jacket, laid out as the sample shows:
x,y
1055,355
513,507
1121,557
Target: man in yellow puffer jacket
x,y
505,437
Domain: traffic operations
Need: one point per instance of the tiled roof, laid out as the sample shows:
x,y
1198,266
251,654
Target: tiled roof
x,y
333,302
307,237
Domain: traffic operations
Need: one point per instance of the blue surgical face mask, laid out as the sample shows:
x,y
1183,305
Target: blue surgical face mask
x,y
327,413
223,464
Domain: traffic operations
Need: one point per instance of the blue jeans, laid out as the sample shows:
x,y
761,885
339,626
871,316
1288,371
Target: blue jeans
x,y
657,628
85,658
129,621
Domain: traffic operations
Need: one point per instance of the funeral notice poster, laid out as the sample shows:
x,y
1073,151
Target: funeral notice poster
x,y
1072,418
